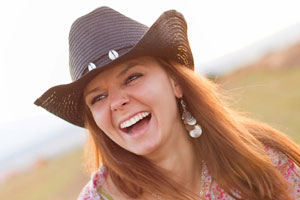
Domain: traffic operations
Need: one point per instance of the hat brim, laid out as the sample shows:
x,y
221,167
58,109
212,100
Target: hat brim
x,y
166,38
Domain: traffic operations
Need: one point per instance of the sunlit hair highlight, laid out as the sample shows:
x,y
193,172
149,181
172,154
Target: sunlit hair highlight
x,y
232,145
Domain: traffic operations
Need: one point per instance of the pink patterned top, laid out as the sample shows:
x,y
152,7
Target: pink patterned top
x,y
93,190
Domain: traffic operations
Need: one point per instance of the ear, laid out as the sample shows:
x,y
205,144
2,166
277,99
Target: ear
x,y
176,87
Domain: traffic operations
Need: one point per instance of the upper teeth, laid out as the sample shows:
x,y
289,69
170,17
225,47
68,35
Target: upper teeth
x,y
134,119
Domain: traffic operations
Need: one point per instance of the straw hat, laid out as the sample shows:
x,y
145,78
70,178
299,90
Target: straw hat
x,y
103,38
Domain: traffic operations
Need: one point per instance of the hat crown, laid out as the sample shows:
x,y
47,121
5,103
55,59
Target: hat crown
x,y
94,35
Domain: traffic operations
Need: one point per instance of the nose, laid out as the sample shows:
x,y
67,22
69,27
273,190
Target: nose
x,y
118,99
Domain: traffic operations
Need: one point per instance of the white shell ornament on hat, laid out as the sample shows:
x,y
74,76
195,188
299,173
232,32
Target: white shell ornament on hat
x,y
91,66
113,54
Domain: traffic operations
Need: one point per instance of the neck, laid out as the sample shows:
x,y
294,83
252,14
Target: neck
x,y
178,158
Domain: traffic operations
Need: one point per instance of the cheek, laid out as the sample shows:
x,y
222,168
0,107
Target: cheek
x,y
102,118
153,88
158,94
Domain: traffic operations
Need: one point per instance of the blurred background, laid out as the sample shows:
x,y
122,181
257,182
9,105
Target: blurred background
x,y
250,47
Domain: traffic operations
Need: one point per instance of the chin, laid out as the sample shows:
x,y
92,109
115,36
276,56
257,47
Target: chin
x,y
145,148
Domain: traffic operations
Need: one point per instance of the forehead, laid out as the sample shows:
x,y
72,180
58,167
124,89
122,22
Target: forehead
x,y
115,72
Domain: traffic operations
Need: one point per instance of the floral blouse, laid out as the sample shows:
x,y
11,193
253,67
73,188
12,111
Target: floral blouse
x,y
93,190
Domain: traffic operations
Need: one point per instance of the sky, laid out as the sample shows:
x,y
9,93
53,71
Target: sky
x,y
34,38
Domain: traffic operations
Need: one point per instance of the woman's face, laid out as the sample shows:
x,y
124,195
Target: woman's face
x,y
134,104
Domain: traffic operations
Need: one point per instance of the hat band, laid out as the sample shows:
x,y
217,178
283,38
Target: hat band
x,y
106,59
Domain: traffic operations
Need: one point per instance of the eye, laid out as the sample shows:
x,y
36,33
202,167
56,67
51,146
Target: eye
x,y
98,98
132,78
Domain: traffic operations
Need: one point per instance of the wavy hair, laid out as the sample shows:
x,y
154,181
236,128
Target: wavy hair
x,y
232,145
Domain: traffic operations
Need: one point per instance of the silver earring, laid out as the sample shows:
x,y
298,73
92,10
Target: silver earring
x,y
190,120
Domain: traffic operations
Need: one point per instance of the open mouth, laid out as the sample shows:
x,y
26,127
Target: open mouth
x,y
136,124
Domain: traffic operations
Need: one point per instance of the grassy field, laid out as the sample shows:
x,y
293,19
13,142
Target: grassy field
x,y
272,96
59,179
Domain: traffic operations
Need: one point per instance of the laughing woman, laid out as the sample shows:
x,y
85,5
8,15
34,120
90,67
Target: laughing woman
x,y
156,129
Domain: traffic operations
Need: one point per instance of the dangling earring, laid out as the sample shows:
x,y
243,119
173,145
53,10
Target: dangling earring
x,y
188,119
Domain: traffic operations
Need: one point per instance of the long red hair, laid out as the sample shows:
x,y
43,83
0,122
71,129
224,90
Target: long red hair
x,y
232,145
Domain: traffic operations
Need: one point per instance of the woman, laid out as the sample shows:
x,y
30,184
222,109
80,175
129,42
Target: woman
x,y
135,91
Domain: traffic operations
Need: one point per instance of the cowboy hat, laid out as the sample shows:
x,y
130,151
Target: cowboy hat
x,y
105,37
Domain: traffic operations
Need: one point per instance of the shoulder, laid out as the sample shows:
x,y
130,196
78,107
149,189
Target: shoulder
x,y
90,190
287,168
281,161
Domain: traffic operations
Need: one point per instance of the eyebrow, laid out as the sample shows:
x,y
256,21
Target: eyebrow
x,y
127,68
91,91
124,71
